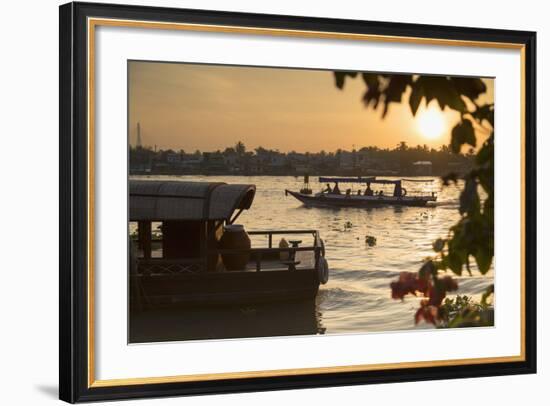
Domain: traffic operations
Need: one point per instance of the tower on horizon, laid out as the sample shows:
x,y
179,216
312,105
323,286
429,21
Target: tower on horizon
x,y
138,141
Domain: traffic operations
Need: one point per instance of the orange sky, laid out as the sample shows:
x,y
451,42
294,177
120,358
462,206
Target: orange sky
x,y
210,107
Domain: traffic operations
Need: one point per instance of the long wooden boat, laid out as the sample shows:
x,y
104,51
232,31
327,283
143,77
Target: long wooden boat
x,y
185,266
334,197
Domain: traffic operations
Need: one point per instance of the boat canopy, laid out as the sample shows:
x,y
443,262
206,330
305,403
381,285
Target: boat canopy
x,y
156,200
348,180
371,179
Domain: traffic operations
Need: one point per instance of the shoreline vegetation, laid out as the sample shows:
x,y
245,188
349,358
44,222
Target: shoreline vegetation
x,y
402,160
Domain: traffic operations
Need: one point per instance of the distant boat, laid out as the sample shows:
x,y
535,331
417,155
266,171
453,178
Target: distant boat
x,y
334,197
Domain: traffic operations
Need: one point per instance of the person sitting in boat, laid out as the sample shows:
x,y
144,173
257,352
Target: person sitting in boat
x,y
336,189
359,192
399,191
381,193
368,190
348,192
328,189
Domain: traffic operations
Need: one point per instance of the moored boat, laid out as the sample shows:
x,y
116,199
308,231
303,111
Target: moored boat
x,y
192,264
334,197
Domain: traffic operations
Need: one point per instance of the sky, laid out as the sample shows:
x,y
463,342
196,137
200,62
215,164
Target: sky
x,y
211,107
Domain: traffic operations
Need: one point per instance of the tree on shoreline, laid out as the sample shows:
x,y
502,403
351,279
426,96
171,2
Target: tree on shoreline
x,y
473,235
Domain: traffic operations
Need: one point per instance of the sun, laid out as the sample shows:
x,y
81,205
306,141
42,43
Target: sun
x,y
431,123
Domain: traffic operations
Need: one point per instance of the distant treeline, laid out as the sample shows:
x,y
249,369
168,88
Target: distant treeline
x,y
238,160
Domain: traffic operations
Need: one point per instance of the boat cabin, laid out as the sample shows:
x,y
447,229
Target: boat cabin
x,y
176,255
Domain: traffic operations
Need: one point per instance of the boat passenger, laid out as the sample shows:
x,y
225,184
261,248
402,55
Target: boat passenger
x,y
336,189
397,190
368,190
328,189
359,192
348,192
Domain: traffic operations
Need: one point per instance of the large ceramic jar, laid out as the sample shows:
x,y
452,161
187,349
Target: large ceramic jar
x,y
235,237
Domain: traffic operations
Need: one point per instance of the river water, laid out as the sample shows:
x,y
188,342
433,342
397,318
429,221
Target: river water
x,y
357,297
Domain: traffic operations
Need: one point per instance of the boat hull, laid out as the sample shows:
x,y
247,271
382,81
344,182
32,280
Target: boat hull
x,y
325,200
229,288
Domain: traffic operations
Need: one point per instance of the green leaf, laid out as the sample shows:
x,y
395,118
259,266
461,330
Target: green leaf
x,y
455,262
438,245
488,292
469,198
427,269
484,258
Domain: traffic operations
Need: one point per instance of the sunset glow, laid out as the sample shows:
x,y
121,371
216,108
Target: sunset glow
x,y
431,123
209,107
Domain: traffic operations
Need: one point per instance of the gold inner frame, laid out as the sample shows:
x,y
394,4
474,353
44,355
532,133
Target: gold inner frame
x,y
94,22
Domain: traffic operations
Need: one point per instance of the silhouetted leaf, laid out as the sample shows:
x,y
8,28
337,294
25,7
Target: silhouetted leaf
x,y
438,245
469,198
463,133
340,78
485,112
443,90
372,96
486,152
469,87
484,258
451,177
416,97
488,292
371,79
395,89
454,262
427,270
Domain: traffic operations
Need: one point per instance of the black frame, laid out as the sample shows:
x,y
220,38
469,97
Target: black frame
x,y
73,330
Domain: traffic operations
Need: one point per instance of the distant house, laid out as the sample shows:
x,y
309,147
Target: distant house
x,y
191,163
277,163
213,162
422,168
233,161
347,160
254,166
301,169
363,159
173,158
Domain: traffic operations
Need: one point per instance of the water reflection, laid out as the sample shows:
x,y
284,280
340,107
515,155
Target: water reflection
x,y
266,320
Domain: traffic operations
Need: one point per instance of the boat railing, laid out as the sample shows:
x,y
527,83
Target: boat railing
x,y
386,193
271,233
261,256
152,266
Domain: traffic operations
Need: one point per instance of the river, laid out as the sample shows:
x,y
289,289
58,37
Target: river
x,y
357,297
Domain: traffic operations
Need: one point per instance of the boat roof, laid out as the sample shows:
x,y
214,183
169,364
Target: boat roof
x,y
157,200
348,180
371,179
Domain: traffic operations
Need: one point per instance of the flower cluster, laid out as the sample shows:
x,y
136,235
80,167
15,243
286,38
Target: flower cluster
x,y
432,287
